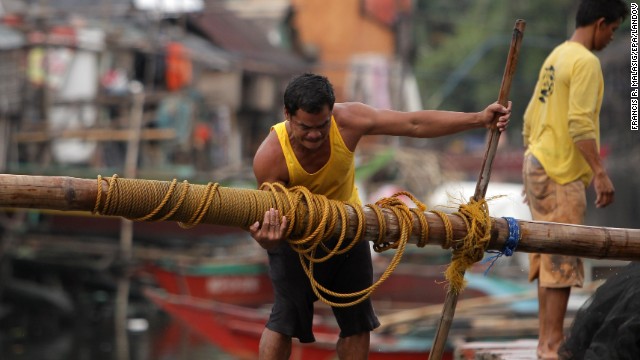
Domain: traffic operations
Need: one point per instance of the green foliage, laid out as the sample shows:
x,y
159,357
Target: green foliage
x,y
461,54
463,45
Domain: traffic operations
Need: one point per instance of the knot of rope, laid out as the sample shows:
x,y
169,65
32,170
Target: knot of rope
x,y
470,249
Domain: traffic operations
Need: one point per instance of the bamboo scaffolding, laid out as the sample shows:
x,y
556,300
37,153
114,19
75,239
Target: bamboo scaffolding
x,y
75,194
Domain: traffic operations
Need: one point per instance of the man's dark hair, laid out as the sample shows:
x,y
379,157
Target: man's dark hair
x,y
309,92
590,11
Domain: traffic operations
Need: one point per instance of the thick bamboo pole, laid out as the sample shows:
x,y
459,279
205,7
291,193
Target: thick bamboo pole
x,y
74,194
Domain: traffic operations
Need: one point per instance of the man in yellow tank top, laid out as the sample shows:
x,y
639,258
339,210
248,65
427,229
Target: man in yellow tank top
x,y
314,147
562,132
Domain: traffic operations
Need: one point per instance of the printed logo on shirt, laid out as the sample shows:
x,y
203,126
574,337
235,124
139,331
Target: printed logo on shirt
x,y
548,78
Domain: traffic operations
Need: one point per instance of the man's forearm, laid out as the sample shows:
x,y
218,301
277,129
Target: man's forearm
x,y
603,185
589,151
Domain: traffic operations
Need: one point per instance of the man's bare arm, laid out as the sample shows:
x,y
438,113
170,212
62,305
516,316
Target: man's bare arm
x,y
357,119
601,182
269,166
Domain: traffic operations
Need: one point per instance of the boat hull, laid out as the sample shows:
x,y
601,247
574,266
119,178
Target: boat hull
x,y
237,330
241,284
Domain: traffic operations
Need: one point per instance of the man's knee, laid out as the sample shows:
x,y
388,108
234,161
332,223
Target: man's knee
x,y
274,345
354,347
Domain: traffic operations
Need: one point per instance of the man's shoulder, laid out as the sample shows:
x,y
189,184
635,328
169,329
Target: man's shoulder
x,y
269,149
341,110
347,112
349,106
575,52
341,113
571,58
269,163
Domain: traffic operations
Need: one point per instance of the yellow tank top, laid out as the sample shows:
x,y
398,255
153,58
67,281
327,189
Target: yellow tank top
x,y
335,180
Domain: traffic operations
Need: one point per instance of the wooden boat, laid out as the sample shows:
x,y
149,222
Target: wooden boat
x,y
245,281
236,327
241,283
237,330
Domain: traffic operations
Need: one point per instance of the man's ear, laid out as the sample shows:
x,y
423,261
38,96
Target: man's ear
x,y
601,22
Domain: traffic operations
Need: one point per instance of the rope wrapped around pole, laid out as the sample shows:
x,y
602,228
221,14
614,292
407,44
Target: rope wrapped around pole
x,y
76,194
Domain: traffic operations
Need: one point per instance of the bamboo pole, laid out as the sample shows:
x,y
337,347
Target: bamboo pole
x,y
75,194
451,299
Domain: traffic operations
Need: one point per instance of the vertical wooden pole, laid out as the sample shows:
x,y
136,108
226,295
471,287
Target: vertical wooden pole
x,y
126,226
451,299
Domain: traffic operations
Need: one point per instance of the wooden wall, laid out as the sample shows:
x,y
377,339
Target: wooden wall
x,y
338,30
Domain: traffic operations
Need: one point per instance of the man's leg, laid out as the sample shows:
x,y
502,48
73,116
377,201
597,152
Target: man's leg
x,y
549,201
354,347
555,305
274,346
542,323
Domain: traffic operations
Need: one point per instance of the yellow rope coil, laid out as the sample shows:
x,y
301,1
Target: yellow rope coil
x,y
193,204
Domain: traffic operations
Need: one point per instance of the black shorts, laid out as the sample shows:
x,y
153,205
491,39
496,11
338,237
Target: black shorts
x,y
292,312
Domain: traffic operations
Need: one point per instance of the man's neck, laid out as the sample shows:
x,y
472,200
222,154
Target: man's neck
x,y
584,35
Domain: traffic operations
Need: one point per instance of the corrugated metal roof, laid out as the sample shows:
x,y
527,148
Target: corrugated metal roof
x,y
246,40
130,35
203,51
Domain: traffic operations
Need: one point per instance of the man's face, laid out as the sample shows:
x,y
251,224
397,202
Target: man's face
x,y
604,33
310,130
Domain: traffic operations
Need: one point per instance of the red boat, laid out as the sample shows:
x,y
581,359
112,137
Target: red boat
x,y
247,282
242,283
233,319
237,273
237,330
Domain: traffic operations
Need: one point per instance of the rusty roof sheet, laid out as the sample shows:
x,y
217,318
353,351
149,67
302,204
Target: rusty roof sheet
x,y
245,39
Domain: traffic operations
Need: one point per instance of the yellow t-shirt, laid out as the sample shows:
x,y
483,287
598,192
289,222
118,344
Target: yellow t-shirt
x,y
565,108
335,180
